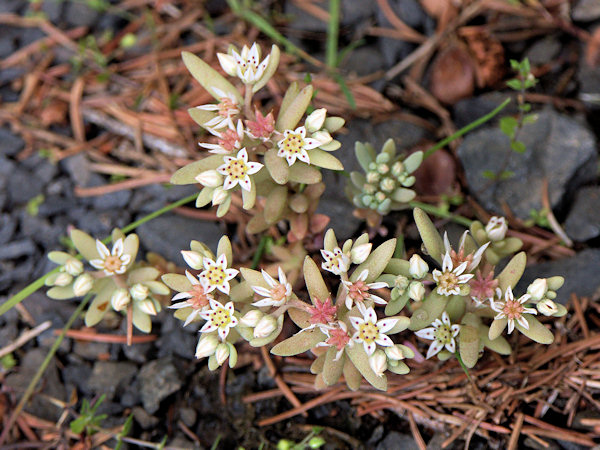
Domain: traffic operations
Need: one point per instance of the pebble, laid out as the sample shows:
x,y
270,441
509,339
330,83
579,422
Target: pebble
x,y
79,14
17,249
583,221
158,379
10,143
111,377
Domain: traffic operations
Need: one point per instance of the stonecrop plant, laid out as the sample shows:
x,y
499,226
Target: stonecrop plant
x,y
360,309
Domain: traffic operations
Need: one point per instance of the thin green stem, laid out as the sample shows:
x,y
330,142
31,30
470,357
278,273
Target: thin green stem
x,y
37,284
464,368
466,129
42,368
262,246
333,29
434,210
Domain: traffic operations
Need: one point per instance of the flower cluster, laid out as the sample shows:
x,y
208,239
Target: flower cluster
x,y
275,157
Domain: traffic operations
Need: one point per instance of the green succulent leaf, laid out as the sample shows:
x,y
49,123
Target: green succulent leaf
x,y
429,234
413,161
317,289
289,117
323,159
277,166
299,343
269,70
85,244
303,173
468,345
332,370
224,248
177,282
536,331
142,274
496,328
187,174
364,154
141,320
352,375
201,116
360,359
208,77
275,204
513,271
61,292
376,262
432,308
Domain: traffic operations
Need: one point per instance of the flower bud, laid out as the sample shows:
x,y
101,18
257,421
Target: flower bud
x,y
316,442
547,307
251,318
387,184
210,178
148,306
139,291
496,228
383,168
394,352
83,284
361,252
378,362
228,64
192,259
416,291
401,283
315,120
73,266
206,346
120,299
397,169
63,279
265,326
418,268
222,353
537,290
219,196
323,137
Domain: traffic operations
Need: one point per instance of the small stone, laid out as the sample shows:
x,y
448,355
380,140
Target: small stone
x,y
77,375
53,10
175,339
470,109
145,420
188,416
23,186
17,249
586,11
111,378
583,221
78,168
8,225
544,50
397,441
10,143
158,379
90,350
78,14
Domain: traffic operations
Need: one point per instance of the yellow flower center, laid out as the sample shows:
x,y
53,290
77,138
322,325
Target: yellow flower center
x,y
513,309
220,317
448,280
237,169
368,332
215,275
112,263
293,143
443,334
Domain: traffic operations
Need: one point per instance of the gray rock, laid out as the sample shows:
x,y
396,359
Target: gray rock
x,y
91,350
397,441
78,168
352,12
8,225
54,205
77,375
158,379
16,249
49,385
145,420
79,14
8,333
559,149
167,235
100,223
30,35
113,200
188,416
10,143
580,273
470,109
544,50
40,230
583,221
586,11
111,378
175,339
52,9
23,186
11,6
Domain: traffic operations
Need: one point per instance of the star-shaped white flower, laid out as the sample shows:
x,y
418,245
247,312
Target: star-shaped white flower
x,y
337,336
442,332
472,259
225,109
279,293
238,170
294,145
245,65
216,275
449,279
371,332
512,309
219,317
358,291
336,261
113,262
229,140
196,298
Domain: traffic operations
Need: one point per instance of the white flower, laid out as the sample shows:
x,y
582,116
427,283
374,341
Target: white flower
x,y
358,291
295,144
472,259
192,259
238,170
113,262
315,120
337,336
537,290
370,331
73,266
148,306
63,279
265,326
378,362
449,279
216,274
219,317
120,299
416,291
210,178
512,309
83,284
547,307
222,353
139,292
442,332
225,109
279,293
360,253
245,65
418,268
206,346
336,261
251,318
496,228
229,140
196,298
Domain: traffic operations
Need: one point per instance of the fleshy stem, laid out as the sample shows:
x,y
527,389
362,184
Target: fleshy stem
x,y
333,27
42,368
431,150
464,368
434,210
37,284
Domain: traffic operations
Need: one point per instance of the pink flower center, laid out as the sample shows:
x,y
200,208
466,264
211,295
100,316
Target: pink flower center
x,y
198,299
358,291
229,140
227,107
112,263
513,309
